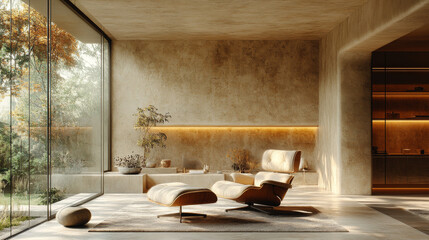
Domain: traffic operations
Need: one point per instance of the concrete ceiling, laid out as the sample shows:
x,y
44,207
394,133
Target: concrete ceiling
x,y
67,20
218,19
415,41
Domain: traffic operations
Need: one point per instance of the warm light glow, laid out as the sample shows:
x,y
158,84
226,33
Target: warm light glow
x,y
227,127
400,121
400,189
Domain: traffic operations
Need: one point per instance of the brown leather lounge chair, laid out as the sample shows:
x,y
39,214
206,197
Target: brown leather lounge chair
x,y
265,190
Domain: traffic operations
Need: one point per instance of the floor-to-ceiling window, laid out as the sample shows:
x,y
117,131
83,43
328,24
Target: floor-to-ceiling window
x,y
54,101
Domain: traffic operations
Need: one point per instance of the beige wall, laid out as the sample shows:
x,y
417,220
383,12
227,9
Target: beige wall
x,y
344,139
264,83
190,147
217,83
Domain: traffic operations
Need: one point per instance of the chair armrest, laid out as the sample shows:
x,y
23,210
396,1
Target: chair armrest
x,y
277,184
246,179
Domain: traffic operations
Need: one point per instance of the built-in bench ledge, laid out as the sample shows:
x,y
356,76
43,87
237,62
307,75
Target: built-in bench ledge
x,y
217,127
115,182
305,178
159,170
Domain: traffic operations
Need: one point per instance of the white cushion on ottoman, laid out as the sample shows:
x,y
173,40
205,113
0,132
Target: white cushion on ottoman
x,y
178,194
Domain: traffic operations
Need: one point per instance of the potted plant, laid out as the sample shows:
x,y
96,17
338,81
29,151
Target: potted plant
x,y
129,164
240,159
146,119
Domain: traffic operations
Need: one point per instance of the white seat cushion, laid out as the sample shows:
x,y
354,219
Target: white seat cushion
x,y
166,193
229,190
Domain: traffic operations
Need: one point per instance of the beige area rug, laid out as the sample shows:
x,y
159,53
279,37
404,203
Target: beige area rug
x,y
142,217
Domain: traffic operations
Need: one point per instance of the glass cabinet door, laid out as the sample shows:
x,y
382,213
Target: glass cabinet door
x,y
400,130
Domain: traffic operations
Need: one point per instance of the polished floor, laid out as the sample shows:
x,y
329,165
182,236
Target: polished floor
x,y
352,212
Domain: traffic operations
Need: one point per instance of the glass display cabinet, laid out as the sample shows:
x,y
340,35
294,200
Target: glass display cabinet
x,y
400,120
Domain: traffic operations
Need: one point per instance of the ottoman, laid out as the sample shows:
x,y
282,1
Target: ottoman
x,y
73,216
180,194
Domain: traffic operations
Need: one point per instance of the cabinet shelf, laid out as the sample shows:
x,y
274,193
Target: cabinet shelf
x,y
399,154
400,69
426,119
401,94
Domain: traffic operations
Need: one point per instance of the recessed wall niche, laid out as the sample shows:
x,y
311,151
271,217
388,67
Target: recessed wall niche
x,y
212,87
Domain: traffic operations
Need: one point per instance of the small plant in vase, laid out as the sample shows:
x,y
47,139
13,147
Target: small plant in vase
x,y
147,118
240,159
129,164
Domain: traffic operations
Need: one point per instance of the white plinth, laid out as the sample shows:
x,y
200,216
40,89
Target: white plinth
x,y
115,182
305,178
159,170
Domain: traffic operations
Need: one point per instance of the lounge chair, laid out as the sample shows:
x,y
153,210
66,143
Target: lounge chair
x,y
265,190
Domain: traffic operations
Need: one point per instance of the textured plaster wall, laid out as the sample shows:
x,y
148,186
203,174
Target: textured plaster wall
x,y
217,83
344,139
191,148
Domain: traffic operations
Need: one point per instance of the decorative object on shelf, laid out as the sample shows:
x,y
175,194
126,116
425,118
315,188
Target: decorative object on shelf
x,y
303,166
422,151
196,171
129,164
152,158
374,149
126,170
406,150
151,163
206,168
419,89
421,117
240,159
146,119
393,115
165,163
73,216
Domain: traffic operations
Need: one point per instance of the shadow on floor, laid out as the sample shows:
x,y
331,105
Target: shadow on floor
x,y
404,216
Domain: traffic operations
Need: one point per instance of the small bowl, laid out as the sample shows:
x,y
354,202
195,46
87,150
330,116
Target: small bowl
x,y
126,170
165,163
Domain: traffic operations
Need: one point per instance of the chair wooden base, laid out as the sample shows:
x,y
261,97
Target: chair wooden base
x,y
279,210
252,207
181,215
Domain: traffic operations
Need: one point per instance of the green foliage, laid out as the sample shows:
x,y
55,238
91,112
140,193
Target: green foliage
x,y
6,223
56,196
23,36
146,119
19,167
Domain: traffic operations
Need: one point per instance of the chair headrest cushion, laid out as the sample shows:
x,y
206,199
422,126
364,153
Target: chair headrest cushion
x,y
281,160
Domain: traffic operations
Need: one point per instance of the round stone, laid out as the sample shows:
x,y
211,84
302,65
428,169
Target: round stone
x,y
73,216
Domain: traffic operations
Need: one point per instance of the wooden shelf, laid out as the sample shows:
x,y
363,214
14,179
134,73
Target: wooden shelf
x,y
401,94
400,69
399,154
401,120
236,127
